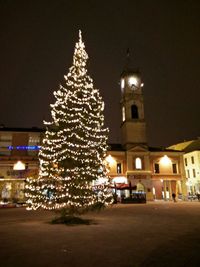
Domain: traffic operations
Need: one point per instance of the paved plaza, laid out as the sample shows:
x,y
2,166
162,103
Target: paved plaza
x,y
132,235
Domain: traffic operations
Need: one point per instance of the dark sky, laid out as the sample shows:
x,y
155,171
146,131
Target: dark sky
x,y
37,41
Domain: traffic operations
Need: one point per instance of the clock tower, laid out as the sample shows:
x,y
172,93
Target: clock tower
x,y
133,126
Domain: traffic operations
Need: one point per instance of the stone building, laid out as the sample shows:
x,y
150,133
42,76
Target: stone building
x,y
133,165
191,156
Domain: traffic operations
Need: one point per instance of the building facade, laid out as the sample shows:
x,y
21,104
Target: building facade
x,y
133,165
191,156
18,160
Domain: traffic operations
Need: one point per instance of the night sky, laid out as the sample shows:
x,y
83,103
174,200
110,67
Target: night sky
x,y
37,43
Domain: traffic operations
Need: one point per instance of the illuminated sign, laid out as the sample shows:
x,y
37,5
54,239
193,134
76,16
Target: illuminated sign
x,y
24,147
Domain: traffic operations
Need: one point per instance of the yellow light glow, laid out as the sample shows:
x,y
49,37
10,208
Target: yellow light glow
x,y
133,81
19,166
123,114
110,160
122,83
165,160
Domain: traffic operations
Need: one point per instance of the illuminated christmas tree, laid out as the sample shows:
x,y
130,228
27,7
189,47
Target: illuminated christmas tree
x,y
72,155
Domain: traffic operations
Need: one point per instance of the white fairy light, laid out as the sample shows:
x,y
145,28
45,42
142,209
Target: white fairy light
x,y
74,146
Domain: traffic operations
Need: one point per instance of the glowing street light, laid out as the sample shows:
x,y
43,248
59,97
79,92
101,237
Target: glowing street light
x,y
110,160
19,166
165,160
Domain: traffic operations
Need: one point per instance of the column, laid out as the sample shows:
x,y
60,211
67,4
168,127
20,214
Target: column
x,y
170,190
164,184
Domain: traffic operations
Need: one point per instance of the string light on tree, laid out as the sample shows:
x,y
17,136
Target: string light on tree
x,y
73,152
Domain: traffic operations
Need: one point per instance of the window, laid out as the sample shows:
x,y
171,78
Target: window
x,y
174,168
185,161
194,173
134,112
122,83
157,168
119,168
188,173
138,163
34,140
192,159
123,114
5,142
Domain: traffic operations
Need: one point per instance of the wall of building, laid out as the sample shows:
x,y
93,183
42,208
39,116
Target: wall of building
x,y
157,185
192,169
16,145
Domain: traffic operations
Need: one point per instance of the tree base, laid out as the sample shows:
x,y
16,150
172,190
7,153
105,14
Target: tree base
x,y
71,220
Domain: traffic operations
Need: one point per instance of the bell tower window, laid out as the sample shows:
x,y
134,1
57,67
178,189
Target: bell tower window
x,y
134,112
123,114
122,84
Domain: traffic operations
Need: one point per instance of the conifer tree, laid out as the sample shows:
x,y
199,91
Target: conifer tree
x,y
73,151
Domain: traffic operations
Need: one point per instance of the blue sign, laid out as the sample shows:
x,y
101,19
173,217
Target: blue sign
x,y
24,147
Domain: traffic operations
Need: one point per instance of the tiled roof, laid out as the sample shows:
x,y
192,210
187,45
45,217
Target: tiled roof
x,y
187,146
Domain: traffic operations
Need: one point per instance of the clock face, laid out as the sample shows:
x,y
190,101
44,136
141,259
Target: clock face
x,y
133,82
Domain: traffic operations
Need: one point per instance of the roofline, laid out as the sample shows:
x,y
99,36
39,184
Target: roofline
x,y
18,129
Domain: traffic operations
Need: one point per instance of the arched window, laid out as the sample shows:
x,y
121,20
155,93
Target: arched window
x,y
140,187
134,112
138,163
